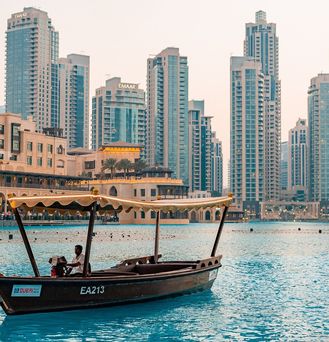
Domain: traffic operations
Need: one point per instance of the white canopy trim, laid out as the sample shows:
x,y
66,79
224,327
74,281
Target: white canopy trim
x,y
110,203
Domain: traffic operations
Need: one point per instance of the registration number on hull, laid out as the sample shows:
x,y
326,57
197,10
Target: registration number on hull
x,y
92,290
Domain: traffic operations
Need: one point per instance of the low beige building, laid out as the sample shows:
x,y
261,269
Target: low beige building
x,y
154,183
89,163
23,149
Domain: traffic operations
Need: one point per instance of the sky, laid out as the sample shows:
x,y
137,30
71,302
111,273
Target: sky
x,y
119,36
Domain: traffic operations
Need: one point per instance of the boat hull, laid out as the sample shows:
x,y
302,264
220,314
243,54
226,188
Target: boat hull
x,y
21,295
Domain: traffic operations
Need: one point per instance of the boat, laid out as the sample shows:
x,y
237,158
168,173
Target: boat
x,y
130,281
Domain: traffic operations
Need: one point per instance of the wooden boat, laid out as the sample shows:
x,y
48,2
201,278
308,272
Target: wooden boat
x,y
132,280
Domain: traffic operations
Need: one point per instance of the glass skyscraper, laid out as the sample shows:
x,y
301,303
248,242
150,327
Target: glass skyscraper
x,y
73,105
247,133
262,44
297,159
167,112
200,139
118,114
318,121
31,55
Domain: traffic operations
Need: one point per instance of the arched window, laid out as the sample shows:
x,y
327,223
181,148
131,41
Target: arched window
x,y
113,191
207,216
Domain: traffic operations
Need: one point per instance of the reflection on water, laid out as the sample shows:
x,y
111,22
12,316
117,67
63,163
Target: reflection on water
x,y
273,286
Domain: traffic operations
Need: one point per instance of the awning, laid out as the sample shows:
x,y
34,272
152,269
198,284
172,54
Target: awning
x,y
82,203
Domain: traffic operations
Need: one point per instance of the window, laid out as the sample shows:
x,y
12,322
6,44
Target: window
x,y
60,149
49,162
2,143
135,192
40,147
90,164
1,155
15,137
142,215
153,192
29,146
153,214
29,160
143,192
50,148
13,157
2,129
39,161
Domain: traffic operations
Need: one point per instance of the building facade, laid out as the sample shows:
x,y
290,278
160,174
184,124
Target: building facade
x,y
118,114
167,112
73,100
262,44
216,166
31,57
318,121
284,166
200,157
25,150
297,159
247,133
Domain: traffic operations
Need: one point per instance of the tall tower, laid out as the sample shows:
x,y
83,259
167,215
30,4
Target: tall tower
x,y
297,159
262,44
200,148
247,133
318,121
167,112
118,114
31,56
73,80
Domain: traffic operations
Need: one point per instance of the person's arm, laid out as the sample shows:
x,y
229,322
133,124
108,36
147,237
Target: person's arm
x,y
76,264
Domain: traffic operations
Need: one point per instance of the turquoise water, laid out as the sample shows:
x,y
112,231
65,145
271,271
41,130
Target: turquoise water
x,y
273,286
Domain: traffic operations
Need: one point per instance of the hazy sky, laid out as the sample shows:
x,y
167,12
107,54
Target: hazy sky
x,y
119,36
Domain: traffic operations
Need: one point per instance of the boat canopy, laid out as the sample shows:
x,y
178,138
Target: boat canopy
x,y
106,204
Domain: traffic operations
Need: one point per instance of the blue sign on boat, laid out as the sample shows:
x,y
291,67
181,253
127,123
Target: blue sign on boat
x,y
26,291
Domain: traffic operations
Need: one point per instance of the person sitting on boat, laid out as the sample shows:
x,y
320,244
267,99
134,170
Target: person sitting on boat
x,y
77,262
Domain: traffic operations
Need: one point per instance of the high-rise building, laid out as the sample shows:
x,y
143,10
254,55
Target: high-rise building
x,y
167,112
216,166
118,114
284,166
73,94
31,56
247,133
297,159
262,44
2,109
318,123
200,140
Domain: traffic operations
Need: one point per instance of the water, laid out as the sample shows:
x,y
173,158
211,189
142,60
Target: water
x,y
273,286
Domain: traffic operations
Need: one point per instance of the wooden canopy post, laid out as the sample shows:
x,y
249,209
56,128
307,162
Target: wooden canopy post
x,y
157,236
89,238
219,232
26,242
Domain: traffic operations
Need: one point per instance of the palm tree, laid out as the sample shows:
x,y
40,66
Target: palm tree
x,y
139,165
110,164
125,165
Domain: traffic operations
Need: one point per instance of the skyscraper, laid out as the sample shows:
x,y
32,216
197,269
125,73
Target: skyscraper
x,y
167,112
31,56
297,159
262,44
216,166
318,121
73,94
200,149
247,133
118,114
284,166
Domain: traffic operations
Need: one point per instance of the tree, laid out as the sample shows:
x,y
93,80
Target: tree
x,y
139,165
110,164
125,165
